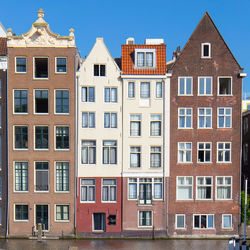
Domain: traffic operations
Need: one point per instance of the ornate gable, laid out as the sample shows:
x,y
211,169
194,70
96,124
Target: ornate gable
x,y
40,35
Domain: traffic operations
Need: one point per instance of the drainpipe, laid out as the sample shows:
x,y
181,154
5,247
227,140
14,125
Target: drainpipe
x,y
122,111
7,163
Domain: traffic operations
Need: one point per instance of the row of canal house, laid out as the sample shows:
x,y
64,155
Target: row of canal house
x,y
131,146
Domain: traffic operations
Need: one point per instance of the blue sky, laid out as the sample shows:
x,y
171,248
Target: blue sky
x,y
115,20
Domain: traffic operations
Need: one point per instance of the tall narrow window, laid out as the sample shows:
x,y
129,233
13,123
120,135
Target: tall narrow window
x,y
61,64
88,94
62,176
145,191
155,157
109,190
110,95
110,120
41,68
135,157
158,90
41,137
21,137
62,101
88,119
62,137
21,64
131,90
88,152
155,125
21,176
42,176
135,125
41,101
109,152
88,190
20,101
205,50
145,90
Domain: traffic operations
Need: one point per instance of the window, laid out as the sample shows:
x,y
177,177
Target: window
x,y
180,221
20,101
223,188
224,117
204,118
109,152
203,221
184,188
21,176
204,152
158,90
62,101
224,85
109,190
155,125
205,50
21,212
184,152
21,64
135,157
110,120
227,221
148,188
62,137
87,190
185,117
99,70
41,67
61,64
223,152
135,125
41,101
145,58
155,157
42,176
41,137
62,176
88,94
110,95
245,153
145,218
131,90
88,152
185,86
145,90
62,212
204,188
245,125
88,119
21,137
112,219
205,86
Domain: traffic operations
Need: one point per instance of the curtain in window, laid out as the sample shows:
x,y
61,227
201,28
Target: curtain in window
x,y
155,128
107,94
132,191
114,94
91,120
84,155
145,90
148,218
113,120
91,193
223,192
105,155
84,120
184,193
157,191
106,120
112,193
113,155
92,155
134,160
202,193
140,59
91,94
135,128
158,90
149,59
105,196
131,90
227,221
84,193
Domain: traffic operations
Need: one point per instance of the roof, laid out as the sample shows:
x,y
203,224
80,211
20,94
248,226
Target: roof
x,y
3,46
128,59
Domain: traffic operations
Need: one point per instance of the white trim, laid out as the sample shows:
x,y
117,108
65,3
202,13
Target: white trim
x,y
14,210
14,137
14,177
224,115
185,116
145,50
226,162
218,88
34,102
61,149
42,191
185,150
180,228
56,65
228,228
63,221
40,78
16,72
205,115
209,50
13,102
55,101
80,192
224,185
200,228
109,189
61,192
138,218
35,204
210,150
34,134
185,79
205,84
186,185
204,185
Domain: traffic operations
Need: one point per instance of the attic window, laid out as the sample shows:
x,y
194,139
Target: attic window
x,y
145,58
99,70
224,86
205,50
41,67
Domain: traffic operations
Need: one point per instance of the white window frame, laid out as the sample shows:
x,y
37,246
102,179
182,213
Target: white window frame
x,y
204,185
34,131
20,113
186,116
184,185
205,150
18,72
63,221
14,210
111,100
224,185
89,146
61,149
184,216
153,152
55,101
14,177
145,50
81,185
149,90
156,86
205,115
155,118
109,190
133,87
185,85
218,86
34,71
185,150
209,50
224,117
200,228
222,221
14,137
87,94
138,153
88,118
41,191
111,125
224,151
205,85
57,72
112,144
137,120
69,180
142,226
34,101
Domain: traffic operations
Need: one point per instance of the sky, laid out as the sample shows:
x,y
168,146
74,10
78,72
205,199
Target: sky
x,y
116,20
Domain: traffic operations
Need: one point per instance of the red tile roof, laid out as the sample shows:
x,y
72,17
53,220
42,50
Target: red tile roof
x,y
3,46
128,60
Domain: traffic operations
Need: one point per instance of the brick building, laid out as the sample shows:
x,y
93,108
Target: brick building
x,y
41,130
205,135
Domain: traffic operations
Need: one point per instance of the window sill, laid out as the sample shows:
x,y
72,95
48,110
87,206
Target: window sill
x,y
62,221
225,95
205,95
61,73
21,149
41,78
87,202
41,113
20,113
61,113
21,72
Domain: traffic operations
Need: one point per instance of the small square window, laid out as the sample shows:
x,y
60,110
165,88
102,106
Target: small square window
x,y
62,212
180,221
41,69
21,212
99,70
224,85
61,65
21,65
205,50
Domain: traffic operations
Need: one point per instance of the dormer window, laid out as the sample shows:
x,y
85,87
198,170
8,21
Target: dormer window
x,y
205,50
145,58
